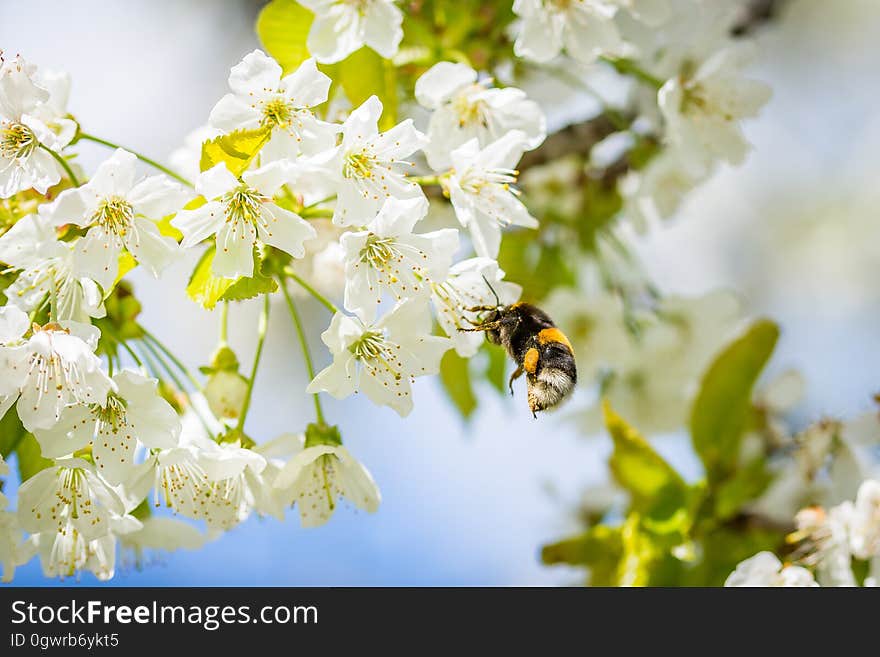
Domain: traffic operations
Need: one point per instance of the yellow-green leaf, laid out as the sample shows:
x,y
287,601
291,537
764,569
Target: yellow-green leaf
x,y
126,264
744,486
456,379
363,74
721,411
592,546
635,464
283,27
496,368
11,432
237,149
657,490
204,288
30,458
248,287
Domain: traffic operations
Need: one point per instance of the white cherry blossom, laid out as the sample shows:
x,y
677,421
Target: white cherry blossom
x,y
388,256
468,287
225,391
650,12
234,482
49,266
240,213
465,108
382,359
10,534
825,543
69,494
203,480
318,475
68,552
11,552
656,192
53,112
864,523
261,97
133,413
764,570
340,27
120,212
179,481
584,28
704,103
481,193
161,534
24,164
48,371
369,166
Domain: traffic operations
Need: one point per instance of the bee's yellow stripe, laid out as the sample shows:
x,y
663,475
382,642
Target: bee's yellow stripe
x,y
554,335
530,362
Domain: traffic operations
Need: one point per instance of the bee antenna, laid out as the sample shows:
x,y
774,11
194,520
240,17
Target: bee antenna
x,y
494,293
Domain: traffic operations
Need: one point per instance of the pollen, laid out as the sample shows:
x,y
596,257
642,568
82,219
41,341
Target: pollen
x,y
114,215
17,141
359,164
277,113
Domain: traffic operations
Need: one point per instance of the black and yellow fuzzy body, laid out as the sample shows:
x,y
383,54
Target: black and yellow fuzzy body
x,y
540,350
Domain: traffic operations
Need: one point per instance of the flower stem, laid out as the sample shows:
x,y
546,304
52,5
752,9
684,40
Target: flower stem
x,y
155,341
151,350
224,322
63,163
329,305
148,350
316,213
629,67
143,158
131,353
261,338
307,356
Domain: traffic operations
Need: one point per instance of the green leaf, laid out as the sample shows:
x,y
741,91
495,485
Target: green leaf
x,y
724,547
646,559
363,74
237,149
207,289
721,411
657,490
30,459
545,266
600,548
496,368
456,379
745,485
283,27
204,288
11,432
251,286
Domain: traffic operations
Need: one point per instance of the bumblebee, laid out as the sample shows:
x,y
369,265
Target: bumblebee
x,y
540,350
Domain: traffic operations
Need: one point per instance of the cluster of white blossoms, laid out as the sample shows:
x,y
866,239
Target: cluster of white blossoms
x,y
687,79
114,443
827,541
278,191
647,361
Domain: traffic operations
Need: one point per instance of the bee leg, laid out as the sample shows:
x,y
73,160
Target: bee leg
x,y
489,326
513,377
480,309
